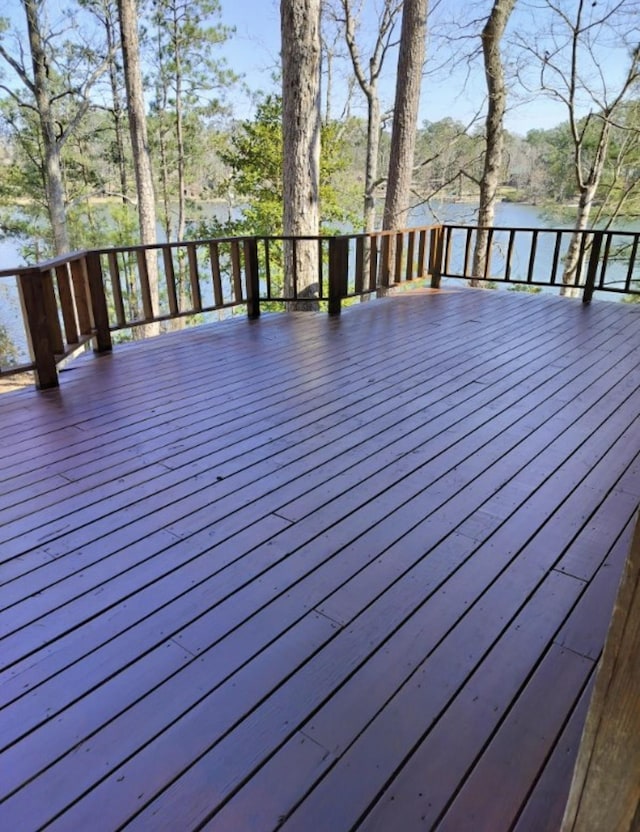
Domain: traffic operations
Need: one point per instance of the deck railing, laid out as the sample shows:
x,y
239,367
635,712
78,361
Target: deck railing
x,y
535,257
90,295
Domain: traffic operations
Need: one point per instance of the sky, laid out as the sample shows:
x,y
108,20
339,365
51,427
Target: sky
x,y
456,93
254,52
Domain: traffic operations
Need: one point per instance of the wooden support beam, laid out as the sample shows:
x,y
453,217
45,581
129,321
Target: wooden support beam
x,y
81,296
338,272
34,306
98,302
66,304
252,277
435,256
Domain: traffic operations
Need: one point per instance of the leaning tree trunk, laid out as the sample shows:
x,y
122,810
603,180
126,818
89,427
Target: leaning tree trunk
x,y
405,114
301,119
371,165
494,139
573,261
54,183
128,14
588,185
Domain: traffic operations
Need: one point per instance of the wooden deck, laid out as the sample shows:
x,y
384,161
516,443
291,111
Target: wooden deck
x,y
317,573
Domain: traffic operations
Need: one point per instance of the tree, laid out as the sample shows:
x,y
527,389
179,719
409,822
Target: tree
x,y
106,13
405,113
187,74
347,16
254,159
494,130
56,88
570,56
301,124
128,16
450,158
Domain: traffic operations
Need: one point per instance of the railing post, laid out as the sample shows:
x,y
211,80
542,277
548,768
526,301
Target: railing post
x,y
592,270
34,306
435,256
98,302
338,272
252,276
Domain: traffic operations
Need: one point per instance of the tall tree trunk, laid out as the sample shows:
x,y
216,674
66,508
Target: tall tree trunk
x,y
405,114
118,113
371,163
494,133
367,79
53,180
182,206
128,14
301,119
572,273
588,186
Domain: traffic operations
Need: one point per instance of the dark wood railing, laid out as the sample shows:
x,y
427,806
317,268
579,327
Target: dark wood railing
x,y
88,296
534,257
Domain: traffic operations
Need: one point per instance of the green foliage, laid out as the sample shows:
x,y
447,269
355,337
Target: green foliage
x,y
254,161
8,350
524,287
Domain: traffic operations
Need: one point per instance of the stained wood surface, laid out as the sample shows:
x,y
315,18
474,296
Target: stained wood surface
x,y
605,791
311,572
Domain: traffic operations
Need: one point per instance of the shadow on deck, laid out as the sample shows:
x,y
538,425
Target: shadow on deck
x,y
317,573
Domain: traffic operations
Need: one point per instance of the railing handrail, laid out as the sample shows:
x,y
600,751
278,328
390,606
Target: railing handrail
x,y
65,299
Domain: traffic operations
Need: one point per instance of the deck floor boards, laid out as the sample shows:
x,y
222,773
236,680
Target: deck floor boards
x,y
314,573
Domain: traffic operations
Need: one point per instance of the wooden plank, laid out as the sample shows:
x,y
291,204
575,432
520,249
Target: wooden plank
x,y
605,259
507,263
170,279
532,441
360,264
320,255
532,256
34,306
373,262
545,805
479,705
398,245
632,262
99,311
143,279
67,306
556,258
116,289
447,251
267,266
558,682
409,268
81,296
252,278
605,791
338,272
385,262
488,258
467,252
194,278
422,251
214,252
102,506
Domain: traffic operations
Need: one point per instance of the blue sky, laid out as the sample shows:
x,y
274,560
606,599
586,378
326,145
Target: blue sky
x,y
458,92
254,52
